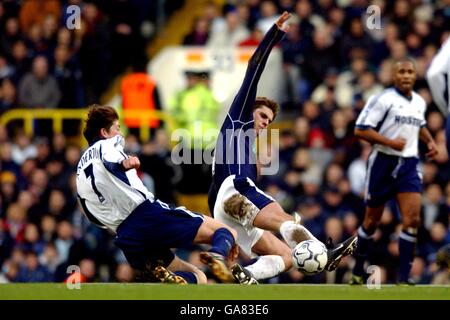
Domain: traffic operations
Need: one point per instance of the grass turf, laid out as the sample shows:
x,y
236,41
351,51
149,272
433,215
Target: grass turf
x,y
101,291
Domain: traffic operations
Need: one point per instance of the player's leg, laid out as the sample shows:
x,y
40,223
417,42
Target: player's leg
x,y
247,237
273,218
151,264
187,271
380,187
222,239
255,208
274,258
365,235
410,204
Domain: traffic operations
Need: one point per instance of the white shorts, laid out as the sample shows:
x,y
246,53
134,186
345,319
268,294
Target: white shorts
x,y
248,235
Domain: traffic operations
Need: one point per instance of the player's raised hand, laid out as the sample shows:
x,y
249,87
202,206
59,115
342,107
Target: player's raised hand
x,y
131,163
432,150
281,20
397,144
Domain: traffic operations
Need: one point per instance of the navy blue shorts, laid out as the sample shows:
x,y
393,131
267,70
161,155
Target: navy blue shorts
x,y
388,175
152,229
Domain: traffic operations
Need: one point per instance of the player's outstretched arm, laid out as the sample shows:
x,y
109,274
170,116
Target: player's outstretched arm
x,y
242,106
281,22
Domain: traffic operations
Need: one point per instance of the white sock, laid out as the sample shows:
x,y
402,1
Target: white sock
x,y
294,233
266,267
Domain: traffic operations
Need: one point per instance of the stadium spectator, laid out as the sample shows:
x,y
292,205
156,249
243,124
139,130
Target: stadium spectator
x,y
49,258
269,15
39,89
124,273
32,239
86,274
68,76
8,96
36,11
231,34
94,52
199,34
32,270
196,110
22,148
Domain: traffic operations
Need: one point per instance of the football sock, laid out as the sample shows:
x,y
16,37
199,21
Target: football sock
x,y
294,233
190,277
266,267
407,245
362,247
222,242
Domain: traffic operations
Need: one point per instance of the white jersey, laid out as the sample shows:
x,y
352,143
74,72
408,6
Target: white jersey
x,y
393,115
438,76
108,193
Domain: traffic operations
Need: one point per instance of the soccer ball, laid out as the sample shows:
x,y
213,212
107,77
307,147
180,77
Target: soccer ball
x,y
310,257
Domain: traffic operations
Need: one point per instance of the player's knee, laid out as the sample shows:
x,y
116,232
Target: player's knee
x,y
201,277
233,232
239,207
228,228
412,221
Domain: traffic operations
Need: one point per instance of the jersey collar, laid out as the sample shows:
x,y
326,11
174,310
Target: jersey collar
x,y
403,95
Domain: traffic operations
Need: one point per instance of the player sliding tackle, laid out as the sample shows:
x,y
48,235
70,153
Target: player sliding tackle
x,y
234,198
113,197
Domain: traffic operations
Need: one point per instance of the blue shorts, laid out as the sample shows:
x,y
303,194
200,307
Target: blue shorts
x,y
388,175
152,229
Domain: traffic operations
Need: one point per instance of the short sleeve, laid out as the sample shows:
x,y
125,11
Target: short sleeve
x,y
372,113
112,150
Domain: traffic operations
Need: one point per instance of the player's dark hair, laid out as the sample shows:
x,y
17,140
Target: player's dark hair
x,y
99,117
405,59
272,105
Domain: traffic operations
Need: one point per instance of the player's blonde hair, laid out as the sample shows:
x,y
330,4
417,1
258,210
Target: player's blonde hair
x,y
237,206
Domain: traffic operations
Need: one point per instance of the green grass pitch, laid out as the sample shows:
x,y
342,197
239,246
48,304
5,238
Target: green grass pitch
x,y
101,291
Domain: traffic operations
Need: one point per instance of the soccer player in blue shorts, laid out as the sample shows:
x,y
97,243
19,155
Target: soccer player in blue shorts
x,y
438,76
393,121
235,200
113,197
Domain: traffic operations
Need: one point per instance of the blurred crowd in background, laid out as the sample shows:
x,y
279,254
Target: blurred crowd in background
x,y
332,62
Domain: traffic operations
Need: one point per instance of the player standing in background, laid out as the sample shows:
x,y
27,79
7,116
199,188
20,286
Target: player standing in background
x,y
234,198
438,77
113,197
393,122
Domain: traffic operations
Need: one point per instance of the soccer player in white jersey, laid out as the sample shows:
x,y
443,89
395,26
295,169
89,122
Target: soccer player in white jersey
x,y
234,198
438,77
393,121
113,197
